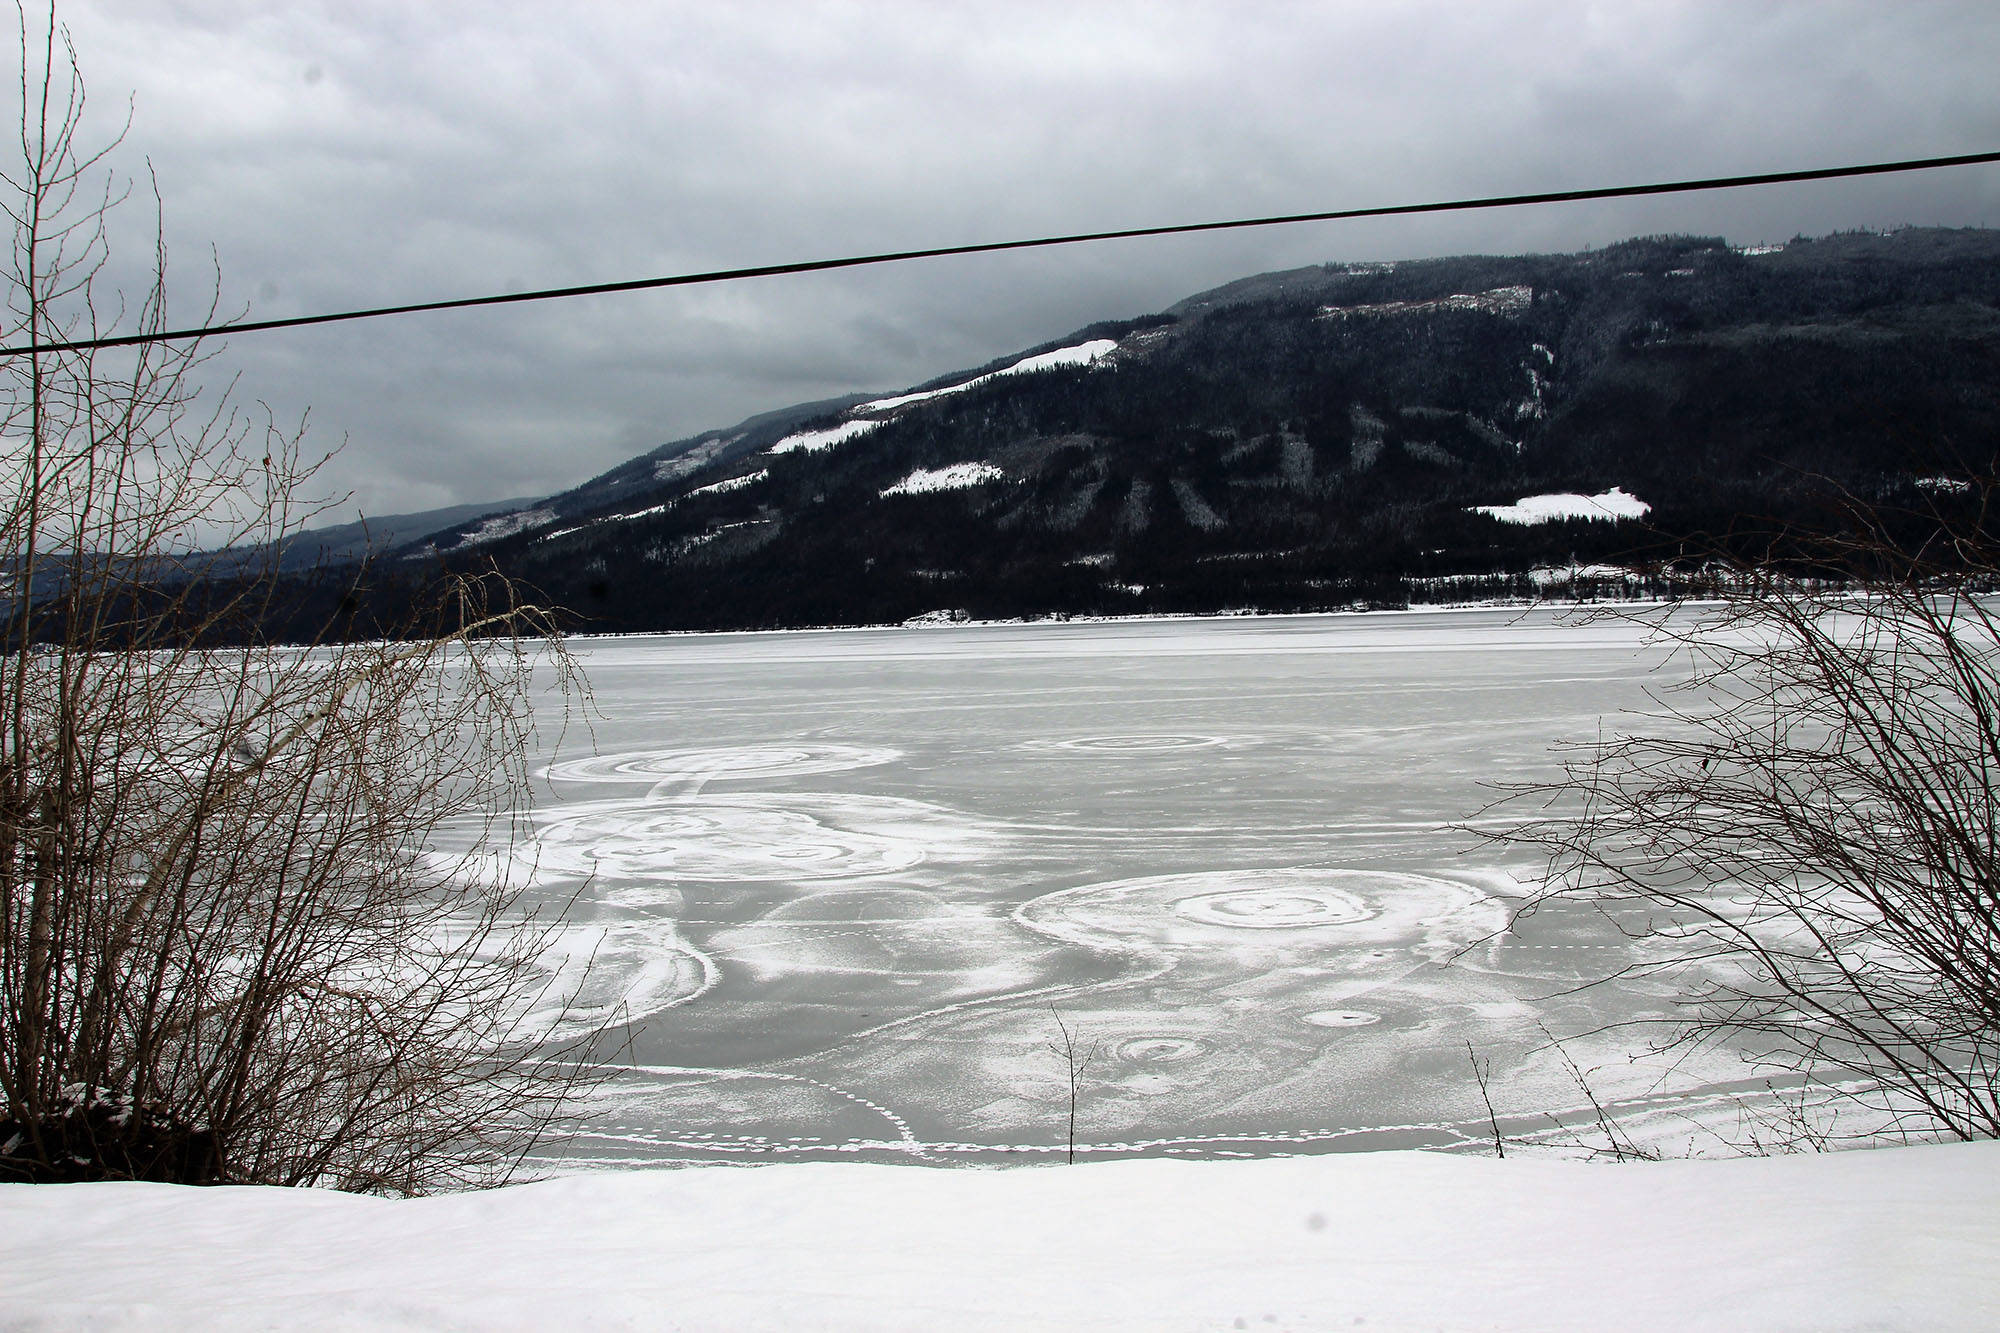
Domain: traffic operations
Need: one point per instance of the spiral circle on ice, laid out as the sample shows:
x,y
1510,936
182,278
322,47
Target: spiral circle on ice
x,y
1137,743
727,763
1374,917
1342,1018
735,840
1158,1050
1274,909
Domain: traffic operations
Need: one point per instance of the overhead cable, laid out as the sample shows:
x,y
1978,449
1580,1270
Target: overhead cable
x,y
993,247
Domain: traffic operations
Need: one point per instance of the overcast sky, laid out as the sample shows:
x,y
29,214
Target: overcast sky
x,y
356,153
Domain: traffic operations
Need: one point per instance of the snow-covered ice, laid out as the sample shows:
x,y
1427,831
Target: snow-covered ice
x,y
1898,1240
844,877
869,861
1610,505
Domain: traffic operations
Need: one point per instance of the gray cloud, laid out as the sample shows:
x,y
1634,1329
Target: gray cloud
x,y
350,153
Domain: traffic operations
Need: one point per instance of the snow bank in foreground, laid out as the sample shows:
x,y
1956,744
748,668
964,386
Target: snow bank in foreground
x,y
1082,354
1891,1239
957,477
812,441
1613,504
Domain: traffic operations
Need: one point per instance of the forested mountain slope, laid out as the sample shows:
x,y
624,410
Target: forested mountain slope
x,y
1317,438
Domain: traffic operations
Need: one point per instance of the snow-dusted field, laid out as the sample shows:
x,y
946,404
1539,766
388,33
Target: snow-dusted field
x,y
847,882
1895,1240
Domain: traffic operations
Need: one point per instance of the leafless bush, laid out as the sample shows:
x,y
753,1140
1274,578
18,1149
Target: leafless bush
x,y
1809,832
232,945
1075,1060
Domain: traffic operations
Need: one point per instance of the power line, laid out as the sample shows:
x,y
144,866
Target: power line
x,y
993,247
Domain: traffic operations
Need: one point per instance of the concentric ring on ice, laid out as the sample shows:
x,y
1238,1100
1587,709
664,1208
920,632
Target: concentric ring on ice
x,y
726,763
1342,1018
1158,1050
1136,743
1274,909
1366,914
752,838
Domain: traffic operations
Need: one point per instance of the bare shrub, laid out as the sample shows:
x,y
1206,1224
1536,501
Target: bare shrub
x,y
1808,833
233,946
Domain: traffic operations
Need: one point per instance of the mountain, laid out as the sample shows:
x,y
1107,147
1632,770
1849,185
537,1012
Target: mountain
x,y
342,543
1324,437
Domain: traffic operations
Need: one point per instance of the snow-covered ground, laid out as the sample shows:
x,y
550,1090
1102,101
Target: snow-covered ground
x,y
1893,1239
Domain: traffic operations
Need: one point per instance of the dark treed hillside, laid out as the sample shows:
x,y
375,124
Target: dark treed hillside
x,y
1311,439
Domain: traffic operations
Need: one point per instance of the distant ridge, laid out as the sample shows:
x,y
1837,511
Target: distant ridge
x,y
1366,434
345,543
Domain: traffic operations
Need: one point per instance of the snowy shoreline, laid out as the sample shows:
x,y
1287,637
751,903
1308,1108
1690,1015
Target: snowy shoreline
x,y
1556,606
1894,1238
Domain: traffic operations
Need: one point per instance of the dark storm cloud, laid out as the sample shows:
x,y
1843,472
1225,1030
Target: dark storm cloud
x,y
353,154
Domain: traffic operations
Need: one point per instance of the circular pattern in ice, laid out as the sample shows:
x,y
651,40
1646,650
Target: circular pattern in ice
x,y
1158,1050
1342,1018
1139,743
728,763
1274,909
1371,916
734,840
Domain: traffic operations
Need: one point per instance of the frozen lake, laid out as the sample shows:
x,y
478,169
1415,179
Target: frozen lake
x,y
846,881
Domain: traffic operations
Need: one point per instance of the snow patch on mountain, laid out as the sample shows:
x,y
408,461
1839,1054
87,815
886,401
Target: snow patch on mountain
x,y
692,460
1082,354
647,512
812,441
1493,301
501,526
957,477
1610,506
1197,511
728,484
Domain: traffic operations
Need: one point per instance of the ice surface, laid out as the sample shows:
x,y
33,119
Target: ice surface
x,y
1897,1239
841,879
848,873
